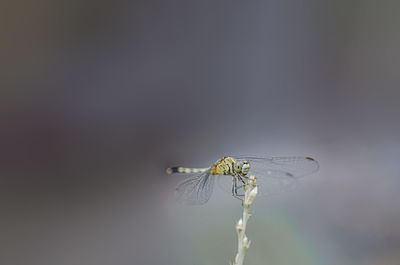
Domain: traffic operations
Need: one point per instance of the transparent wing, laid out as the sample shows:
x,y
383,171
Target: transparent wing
x,y
278,167
267,186
195,190
275,175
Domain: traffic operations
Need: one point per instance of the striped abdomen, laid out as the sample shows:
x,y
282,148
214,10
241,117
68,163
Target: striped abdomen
x,y
186,170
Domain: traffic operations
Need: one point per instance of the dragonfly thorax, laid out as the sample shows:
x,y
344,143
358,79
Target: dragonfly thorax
x,y
230,166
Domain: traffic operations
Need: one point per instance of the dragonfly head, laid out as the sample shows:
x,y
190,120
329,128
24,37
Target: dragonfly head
x,y
245,167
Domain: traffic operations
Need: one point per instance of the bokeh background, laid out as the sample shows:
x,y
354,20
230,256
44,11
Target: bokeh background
x,y
99,97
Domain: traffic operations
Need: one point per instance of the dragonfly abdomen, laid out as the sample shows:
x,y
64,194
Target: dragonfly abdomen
x,y
186,170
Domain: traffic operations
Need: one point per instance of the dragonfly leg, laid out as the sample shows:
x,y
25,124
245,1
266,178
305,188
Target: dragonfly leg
x,y
241,179
235,188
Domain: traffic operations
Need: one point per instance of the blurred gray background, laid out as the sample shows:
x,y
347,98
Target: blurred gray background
x,y
99,97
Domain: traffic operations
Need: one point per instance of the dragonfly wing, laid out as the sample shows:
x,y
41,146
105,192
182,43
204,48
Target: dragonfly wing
x,y
281,167
278,182
195,190
275,175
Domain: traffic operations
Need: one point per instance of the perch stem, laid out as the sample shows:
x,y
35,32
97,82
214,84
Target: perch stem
x,y
250,191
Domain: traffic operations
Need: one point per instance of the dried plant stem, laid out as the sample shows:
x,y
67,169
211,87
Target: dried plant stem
x,y
250,192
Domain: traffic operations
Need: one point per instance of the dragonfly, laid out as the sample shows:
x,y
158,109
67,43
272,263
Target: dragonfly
x,y
273,175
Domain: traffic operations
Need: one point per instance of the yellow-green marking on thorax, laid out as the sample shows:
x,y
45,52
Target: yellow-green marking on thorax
x,y
230,166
